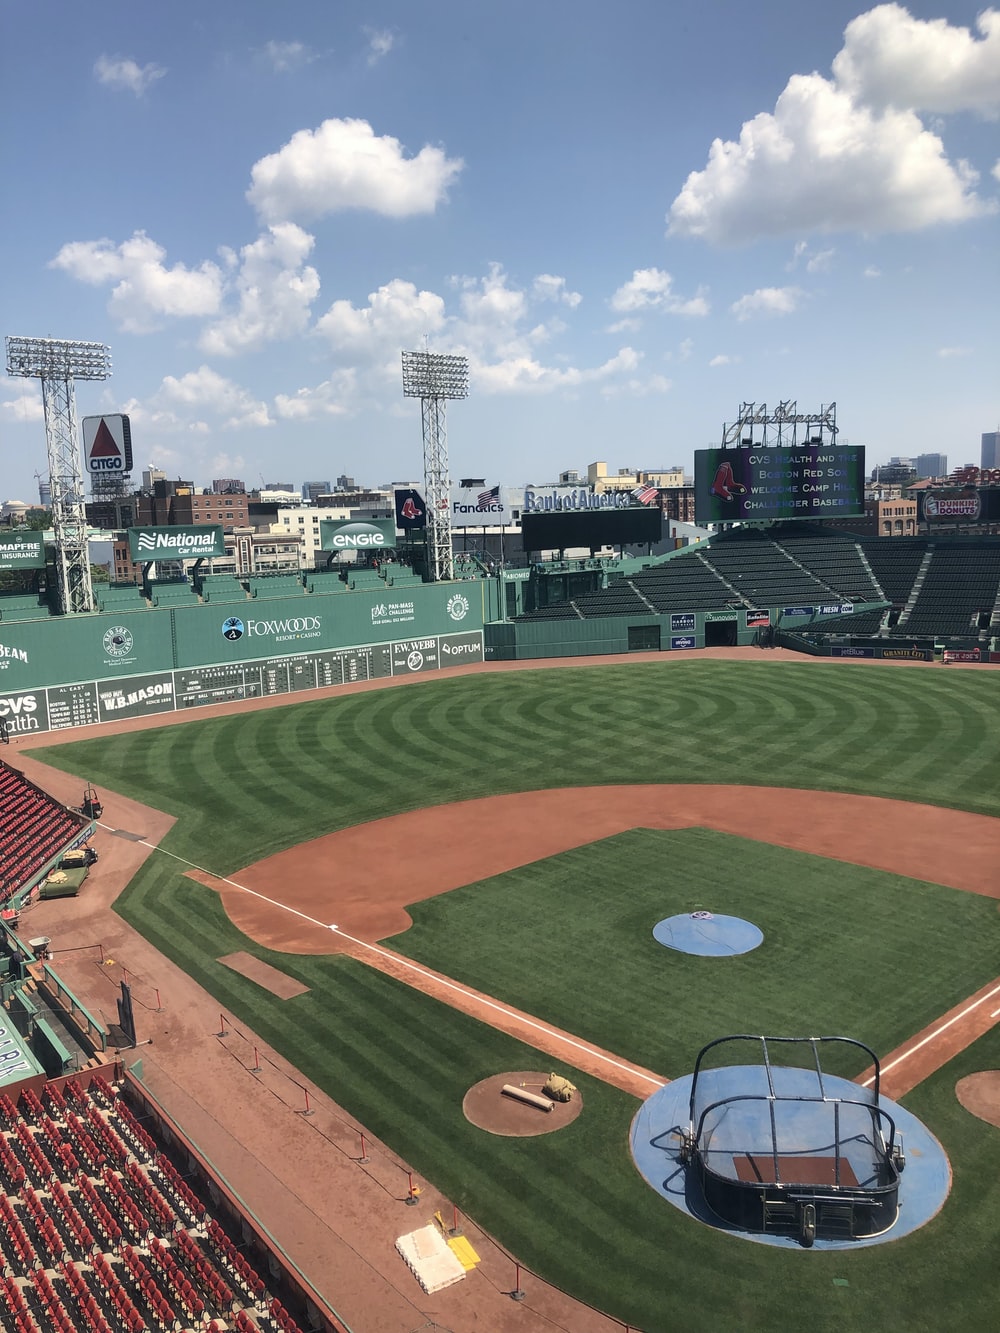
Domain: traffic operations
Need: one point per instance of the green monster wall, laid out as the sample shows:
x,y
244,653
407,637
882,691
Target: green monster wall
x,y
78,670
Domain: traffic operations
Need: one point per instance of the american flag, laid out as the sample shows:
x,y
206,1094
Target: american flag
x,y
487,497
645,494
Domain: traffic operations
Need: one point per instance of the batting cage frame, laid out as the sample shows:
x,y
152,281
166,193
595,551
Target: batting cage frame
x,y
787,1148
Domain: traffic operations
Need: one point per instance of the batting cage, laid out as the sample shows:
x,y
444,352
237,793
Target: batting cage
x,y
781,1145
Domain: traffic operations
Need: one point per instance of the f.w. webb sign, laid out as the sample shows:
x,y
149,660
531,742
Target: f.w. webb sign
x,y
183,542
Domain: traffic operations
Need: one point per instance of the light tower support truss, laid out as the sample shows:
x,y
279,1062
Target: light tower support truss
x,y
434,378
757,428
58,363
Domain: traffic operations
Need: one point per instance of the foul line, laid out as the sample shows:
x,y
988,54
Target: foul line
x,y
399,960
932,1036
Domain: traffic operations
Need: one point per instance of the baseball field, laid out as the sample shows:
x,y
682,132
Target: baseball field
x,y
863,943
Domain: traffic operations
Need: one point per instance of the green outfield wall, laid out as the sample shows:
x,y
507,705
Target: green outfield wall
x,y
72,671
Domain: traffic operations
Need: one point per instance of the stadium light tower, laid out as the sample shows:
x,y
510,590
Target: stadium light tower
x,y
434,378
58,363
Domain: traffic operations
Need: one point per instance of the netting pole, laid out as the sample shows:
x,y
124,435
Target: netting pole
x,y
517,1294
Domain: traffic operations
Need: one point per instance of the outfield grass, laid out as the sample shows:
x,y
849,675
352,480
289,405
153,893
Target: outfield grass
x,y
571,1205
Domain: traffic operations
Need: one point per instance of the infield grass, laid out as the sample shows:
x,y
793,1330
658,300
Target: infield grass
x,y
571,1205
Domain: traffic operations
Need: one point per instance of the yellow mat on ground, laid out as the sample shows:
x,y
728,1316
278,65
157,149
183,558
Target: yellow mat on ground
x,y
463,1252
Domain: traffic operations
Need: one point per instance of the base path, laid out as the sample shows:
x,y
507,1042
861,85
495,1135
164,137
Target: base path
x,y
330,879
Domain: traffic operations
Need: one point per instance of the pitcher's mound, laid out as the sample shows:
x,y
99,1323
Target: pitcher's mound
x,y
487,1107
980,1095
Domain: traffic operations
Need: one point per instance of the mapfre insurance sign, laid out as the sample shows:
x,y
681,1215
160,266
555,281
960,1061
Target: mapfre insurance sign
x,y
107,444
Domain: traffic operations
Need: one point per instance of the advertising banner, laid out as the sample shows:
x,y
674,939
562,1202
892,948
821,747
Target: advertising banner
x,y
683,641
797,610
107,444
136,696
809,481
852,652
480,507
411,512
557,499
185,541
22,550
412,655
682,622
962,655
758,619
907,654
459,648
968,505
23,713
357,534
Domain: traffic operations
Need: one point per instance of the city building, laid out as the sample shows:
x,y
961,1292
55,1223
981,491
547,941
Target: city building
x,y
931,465
990,449
312,490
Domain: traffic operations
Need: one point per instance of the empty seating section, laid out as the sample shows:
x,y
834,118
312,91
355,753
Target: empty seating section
x,y
959,585
172,592
837,564
23,606
109,1237
685,583
34,828
895,563
278,585
119,597
935,588
222,588
763,575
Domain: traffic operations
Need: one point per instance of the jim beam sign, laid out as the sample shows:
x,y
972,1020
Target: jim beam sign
x,y
107,444
183,542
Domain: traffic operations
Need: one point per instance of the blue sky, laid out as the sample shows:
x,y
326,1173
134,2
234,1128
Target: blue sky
x,y
630,218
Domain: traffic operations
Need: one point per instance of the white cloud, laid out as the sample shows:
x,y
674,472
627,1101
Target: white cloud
x,y
652,289
276,290
205,390
872,272
823,163
523,374
26,403
145,289
767,301
287,56
343,165
851,153
721,360
335,397
820,261
126,75
397,316
547,287
947,352
635,387
996,170
380,43
890,58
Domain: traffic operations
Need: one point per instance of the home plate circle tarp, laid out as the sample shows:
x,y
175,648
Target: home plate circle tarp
x,y
707,934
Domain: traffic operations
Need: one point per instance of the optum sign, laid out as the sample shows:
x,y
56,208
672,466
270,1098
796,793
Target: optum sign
x,y
183,542
357,534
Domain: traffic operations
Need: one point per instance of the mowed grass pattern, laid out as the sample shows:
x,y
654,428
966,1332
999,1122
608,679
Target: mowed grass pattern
x,y
844,936
571,1205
